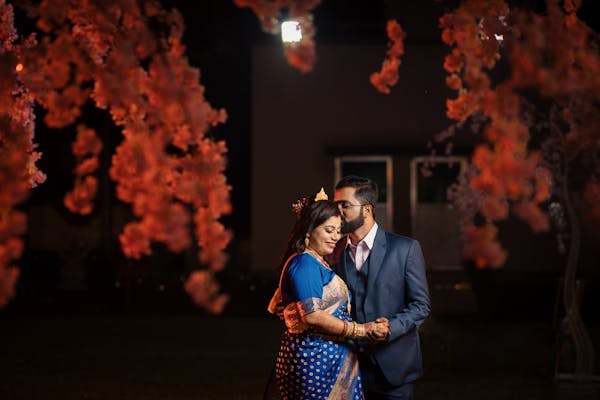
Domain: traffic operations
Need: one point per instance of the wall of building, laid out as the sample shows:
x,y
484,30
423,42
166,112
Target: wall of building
x,y
301,121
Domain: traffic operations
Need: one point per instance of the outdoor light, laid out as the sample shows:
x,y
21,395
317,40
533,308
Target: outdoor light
x,y
291,32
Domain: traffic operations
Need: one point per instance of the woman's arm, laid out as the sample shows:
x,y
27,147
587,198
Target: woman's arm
x,y
327,323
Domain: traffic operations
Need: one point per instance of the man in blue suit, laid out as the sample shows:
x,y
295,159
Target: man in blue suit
x,y
386,276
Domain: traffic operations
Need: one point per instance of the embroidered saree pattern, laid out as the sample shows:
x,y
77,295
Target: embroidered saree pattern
x,y
309,364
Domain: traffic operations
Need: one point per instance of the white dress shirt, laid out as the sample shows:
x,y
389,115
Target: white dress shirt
x,y
360,252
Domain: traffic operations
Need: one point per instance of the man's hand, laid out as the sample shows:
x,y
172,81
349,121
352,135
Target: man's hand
x,y
378,330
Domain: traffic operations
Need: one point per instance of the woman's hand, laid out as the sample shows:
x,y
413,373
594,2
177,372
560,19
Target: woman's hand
x,y
378,330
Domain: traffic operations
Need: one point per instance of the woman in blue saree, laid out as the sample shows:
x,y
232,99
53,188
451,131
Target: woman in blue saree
x,y
315,359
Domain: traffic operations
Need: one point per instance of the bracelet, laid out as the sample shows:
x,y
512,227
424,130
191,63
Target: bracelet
x,y
357,331
344,329
350,329
360,331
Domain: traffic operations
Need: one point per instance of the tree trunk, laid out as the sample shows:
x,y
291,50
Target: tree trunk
x,y
573,326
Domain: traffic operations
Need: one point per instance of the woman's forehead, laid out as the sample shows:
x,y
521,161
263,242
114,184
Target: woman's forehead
x,y
333,220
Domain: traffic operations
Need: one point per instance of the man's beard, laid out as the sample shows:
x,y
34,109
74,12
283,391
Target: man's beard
x,y
351,226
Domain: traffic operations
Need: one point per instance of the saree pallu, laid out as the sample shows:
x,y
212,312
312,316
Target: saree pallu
x,y
311,365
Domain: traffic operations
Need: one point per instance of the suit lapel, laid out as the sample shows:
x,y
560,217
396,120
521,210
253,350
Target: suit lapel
x,y
375,258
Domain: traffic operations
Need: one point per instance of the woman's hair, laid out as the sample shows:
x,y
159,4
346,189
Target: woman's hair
x,y
310,214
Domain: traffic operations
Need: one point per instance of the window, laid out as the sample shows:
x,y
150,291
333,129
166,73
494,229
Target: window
x,y
377,168
433,220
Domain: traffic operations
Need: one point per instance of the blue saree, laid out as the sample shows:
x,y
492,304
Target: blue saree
x,y
310,364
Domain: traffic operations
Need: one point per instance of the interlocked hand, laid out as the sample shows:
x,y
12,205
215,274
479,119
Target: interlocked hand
x,y
378,330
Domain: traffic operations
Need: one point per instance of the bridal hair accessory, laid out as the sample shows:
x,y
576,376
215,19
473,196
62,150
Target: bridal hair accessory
x,y
299,205
321,195
303,202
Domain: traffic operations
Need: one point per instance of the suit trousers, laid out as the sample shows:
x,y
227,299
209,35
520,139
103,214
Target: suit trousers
x,y
376,387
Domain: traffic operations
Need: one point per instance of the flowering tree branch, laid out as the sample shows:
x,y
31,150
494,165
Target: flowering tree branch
x,y
300,55
388,75
166,167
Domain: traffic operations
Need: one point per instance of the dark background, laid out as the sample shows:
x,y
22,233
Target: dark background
x,y
132,333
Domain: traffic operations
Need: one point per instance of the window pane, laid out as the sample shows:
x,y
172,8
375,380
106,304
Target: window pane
x,y
375,170
434,188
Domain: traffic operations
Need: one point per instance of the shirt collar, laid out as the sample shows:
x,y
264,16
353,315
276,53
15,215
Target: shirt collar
x,y
369,239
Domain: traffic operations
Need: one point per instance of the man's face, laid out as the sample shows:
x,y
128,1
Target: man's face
x,y
351,209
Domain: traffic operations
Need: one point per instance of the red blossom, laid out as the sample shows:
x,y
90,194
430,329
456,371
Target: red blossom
x,y
531,213
203,289
12,225
110,54
302,55
86,143
81,199
454,82
135,241
482,246
87,166
494,208
453,62
86,148
9,276
551,55
11,249
388,74
8,33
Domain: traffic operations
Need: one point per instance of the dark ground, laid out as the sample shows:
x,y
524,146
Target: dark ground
x,y
191,356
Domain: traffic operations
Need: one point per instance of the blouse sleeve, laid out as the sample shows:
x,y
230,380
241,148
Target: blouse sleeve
x,y
306,285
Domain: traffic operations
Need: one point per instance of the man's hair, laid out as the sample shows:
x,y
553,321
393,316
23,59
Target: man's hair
x,y
366,189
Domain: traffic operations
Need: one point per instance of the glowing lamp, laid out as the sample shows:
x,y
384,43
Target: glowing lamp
x,y
291,32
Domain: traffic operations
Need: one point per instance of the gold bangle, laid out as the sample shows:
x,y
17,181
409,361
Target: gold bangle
x,y
344,329
361,331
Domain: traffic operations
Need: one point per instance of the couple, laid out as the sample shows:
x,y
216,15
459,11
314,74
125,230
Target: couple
x,y
351,304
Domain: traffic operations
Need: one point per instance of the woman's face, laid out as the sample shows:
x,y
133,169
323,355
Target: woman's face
x,y
325,236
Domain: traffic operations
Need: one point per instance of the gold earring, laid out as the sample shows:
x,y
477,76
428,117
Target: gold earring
x,y
306,241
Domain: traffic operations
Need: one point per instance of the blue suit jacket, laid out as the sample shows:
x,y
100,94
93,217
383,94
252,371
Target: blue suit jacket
x,y
396,289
